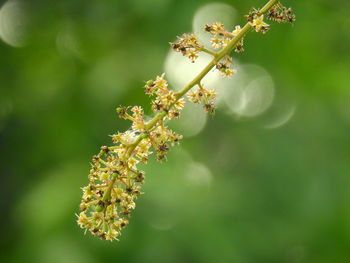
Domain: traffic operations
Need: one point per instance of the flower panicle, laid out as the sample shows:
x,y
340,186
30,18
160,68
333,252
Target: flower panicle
x,y
115,179
188,45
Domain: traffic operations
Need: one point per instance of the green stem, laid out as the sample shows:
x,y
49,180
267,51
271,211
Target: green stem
x,y
213,53
155,119
107,194
135,143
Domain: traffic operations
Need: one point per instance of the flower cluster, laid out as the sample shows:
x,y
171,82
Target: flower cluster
x,y
165,99
259,25
224,66
256,20
162,138
277,13
281,14
115,178
221,37
202,95
188,45
136,118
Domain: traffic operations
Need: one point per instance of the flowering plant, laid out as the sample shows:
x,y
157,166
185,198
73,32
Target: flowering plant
x,y
114,179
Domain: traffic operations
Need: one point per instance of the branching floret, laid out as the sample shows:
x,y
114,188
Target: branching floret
x,y
115,180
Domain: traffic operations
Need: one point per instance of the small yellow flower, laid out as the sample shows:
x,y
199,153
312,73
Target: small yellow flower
x,y
228,72
104,177
180,104
87,192
193,96
83,220
132,163
138,111
192,56
160,83
174,114
216,42
236,31
128,137
211,94
112,234
120,152
217,26
131,205
259,24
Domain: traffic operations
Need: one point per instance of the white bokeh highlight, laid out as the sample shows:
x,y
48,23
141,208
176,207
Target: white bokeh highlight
x,y
198,175
282,118
67,42
14,23
250,92
192,121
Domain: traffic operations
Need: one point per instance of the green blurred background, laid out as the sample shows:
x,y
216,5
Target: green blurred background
x,y
266,180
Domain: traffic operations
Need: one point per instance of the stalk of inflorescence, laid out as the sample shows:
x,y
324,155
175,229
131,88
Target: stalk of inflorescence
x,y
114,179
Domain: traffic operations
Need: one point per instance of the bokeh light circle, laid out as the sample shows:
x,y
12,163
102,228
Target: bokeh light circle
x,y
283,117
192,121
14,23
250,92
199,175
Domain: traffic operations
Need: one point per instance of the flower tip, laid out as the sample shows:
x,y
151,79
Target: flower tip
x,y
118,110
99,208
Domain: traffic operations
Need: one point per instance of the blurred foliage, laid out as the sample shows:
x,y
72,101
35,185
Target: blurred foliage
x,y
236,192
